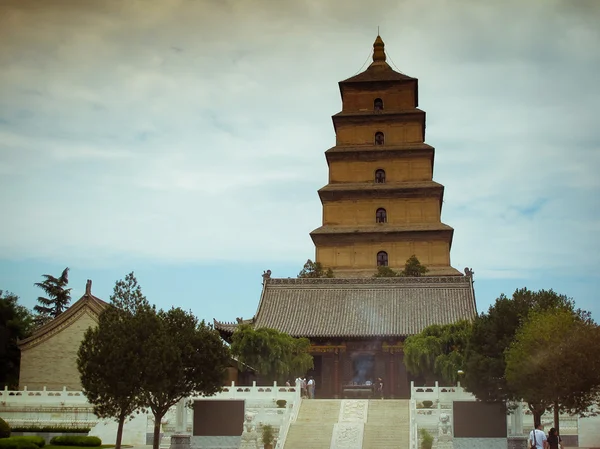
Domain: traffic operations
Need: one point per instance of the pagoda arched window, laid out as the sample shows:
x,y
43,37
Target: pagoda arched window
x,y
381,215
378,104
382,259
380,176
379,138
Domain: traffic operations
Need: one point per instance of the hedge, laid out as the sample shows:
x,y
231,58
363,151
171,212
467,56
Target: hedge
x,y
32,442
72,440
7,443
4,429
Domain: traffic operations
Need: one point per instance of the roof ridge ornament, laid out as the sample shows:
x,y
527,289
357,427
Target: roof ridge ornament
x,y
378,49
88,287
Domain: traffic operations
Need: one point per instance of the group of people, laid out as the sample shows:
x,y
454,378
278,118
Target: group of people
x,y
307,388
539,440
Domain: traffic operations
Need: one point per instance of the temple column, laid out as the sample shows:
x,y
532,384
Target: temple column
x,y
336,374
392,375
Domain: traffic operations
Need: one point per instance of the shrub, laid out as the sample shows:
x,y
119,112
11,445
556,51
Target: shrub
x,y
4,429
426,439
268,434
72,440
281,403
32,442
9,443
427,404
38,441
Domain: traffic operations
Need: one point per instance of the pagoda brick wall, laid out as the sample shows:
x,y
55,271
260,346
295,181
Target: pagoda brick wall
x,y
429,252
405,169
400,211
403,97
395,133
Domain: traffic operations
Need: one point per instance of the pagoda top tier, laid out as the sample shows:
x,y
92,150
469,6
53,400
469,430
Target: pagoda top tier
x,y
379,70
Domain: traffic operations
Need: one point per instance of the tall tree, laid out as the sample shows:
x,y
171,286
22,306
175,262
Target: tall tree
x,y
438,351
315,270
271,353
492,335
413,268
554,362
115,356
189,357
58,297
15,323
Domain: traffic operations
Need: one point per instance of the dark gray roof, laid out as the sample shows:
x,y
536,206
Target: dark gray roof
x,y
372,307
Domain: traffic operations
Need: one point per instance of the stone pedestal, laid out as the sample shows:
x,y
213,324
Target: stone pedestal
x,y
180,441
516,442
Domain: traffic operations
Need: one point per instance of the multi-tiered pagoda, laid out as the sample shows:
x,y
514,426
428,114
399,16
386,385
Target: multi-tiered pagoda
x,y
380,207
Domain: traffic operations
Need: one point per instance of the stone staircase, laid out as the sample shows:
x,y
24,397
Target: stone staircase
x,y
314,426
388,425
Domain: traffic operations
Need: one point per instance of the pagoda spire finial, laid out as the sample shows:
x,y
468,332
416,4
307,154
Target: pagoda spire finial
x,y
378,49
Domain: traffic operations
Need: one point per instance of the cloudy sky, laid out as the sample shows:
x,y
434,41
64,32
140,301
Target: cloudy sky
x,y
184,139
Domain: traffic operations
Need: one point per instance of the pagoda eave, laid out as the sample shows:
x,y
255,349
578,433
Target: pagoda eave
x,y
369,152
334,235
351,191
371,117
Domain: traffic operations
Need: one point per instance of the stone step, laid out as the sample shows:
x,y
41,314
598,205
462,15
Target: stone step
x,y
309,435
388,411
378,436
325,411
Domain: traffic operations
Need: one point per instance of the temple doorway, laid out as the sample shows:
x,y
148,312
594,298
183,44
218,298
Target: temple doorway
x,y
363,365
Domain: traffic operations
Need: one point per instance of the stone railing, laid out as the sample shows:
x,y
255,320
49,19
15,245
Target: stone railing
x,y
290,418
414,428
519,422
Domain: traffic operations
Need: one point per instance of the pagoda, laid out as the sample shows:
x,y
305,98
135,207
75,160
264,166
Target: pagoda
x,y
381,205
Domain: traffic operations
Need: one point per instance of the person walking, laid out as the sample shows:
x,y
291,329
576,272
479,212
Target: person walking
x,y
311,388
537,437
554,439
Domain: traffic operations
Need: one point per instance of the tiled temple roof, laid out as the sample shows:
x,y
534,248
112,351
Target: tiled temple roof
x,y
355,308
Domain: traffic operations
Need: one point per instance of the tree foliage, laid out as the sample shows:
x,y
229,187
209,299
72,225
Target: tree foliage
x,y
492,335
187,357
438,351
385,272
16,322
315,270
413,268
57,297
271,353
114,357
554,362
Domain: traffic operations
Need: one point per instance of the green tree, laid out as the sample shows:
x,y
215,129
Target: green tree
x,y
16,323
385,272
188,357
554,362
438,351
271,353
57,300
115,356
492,335
413,268
315,270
